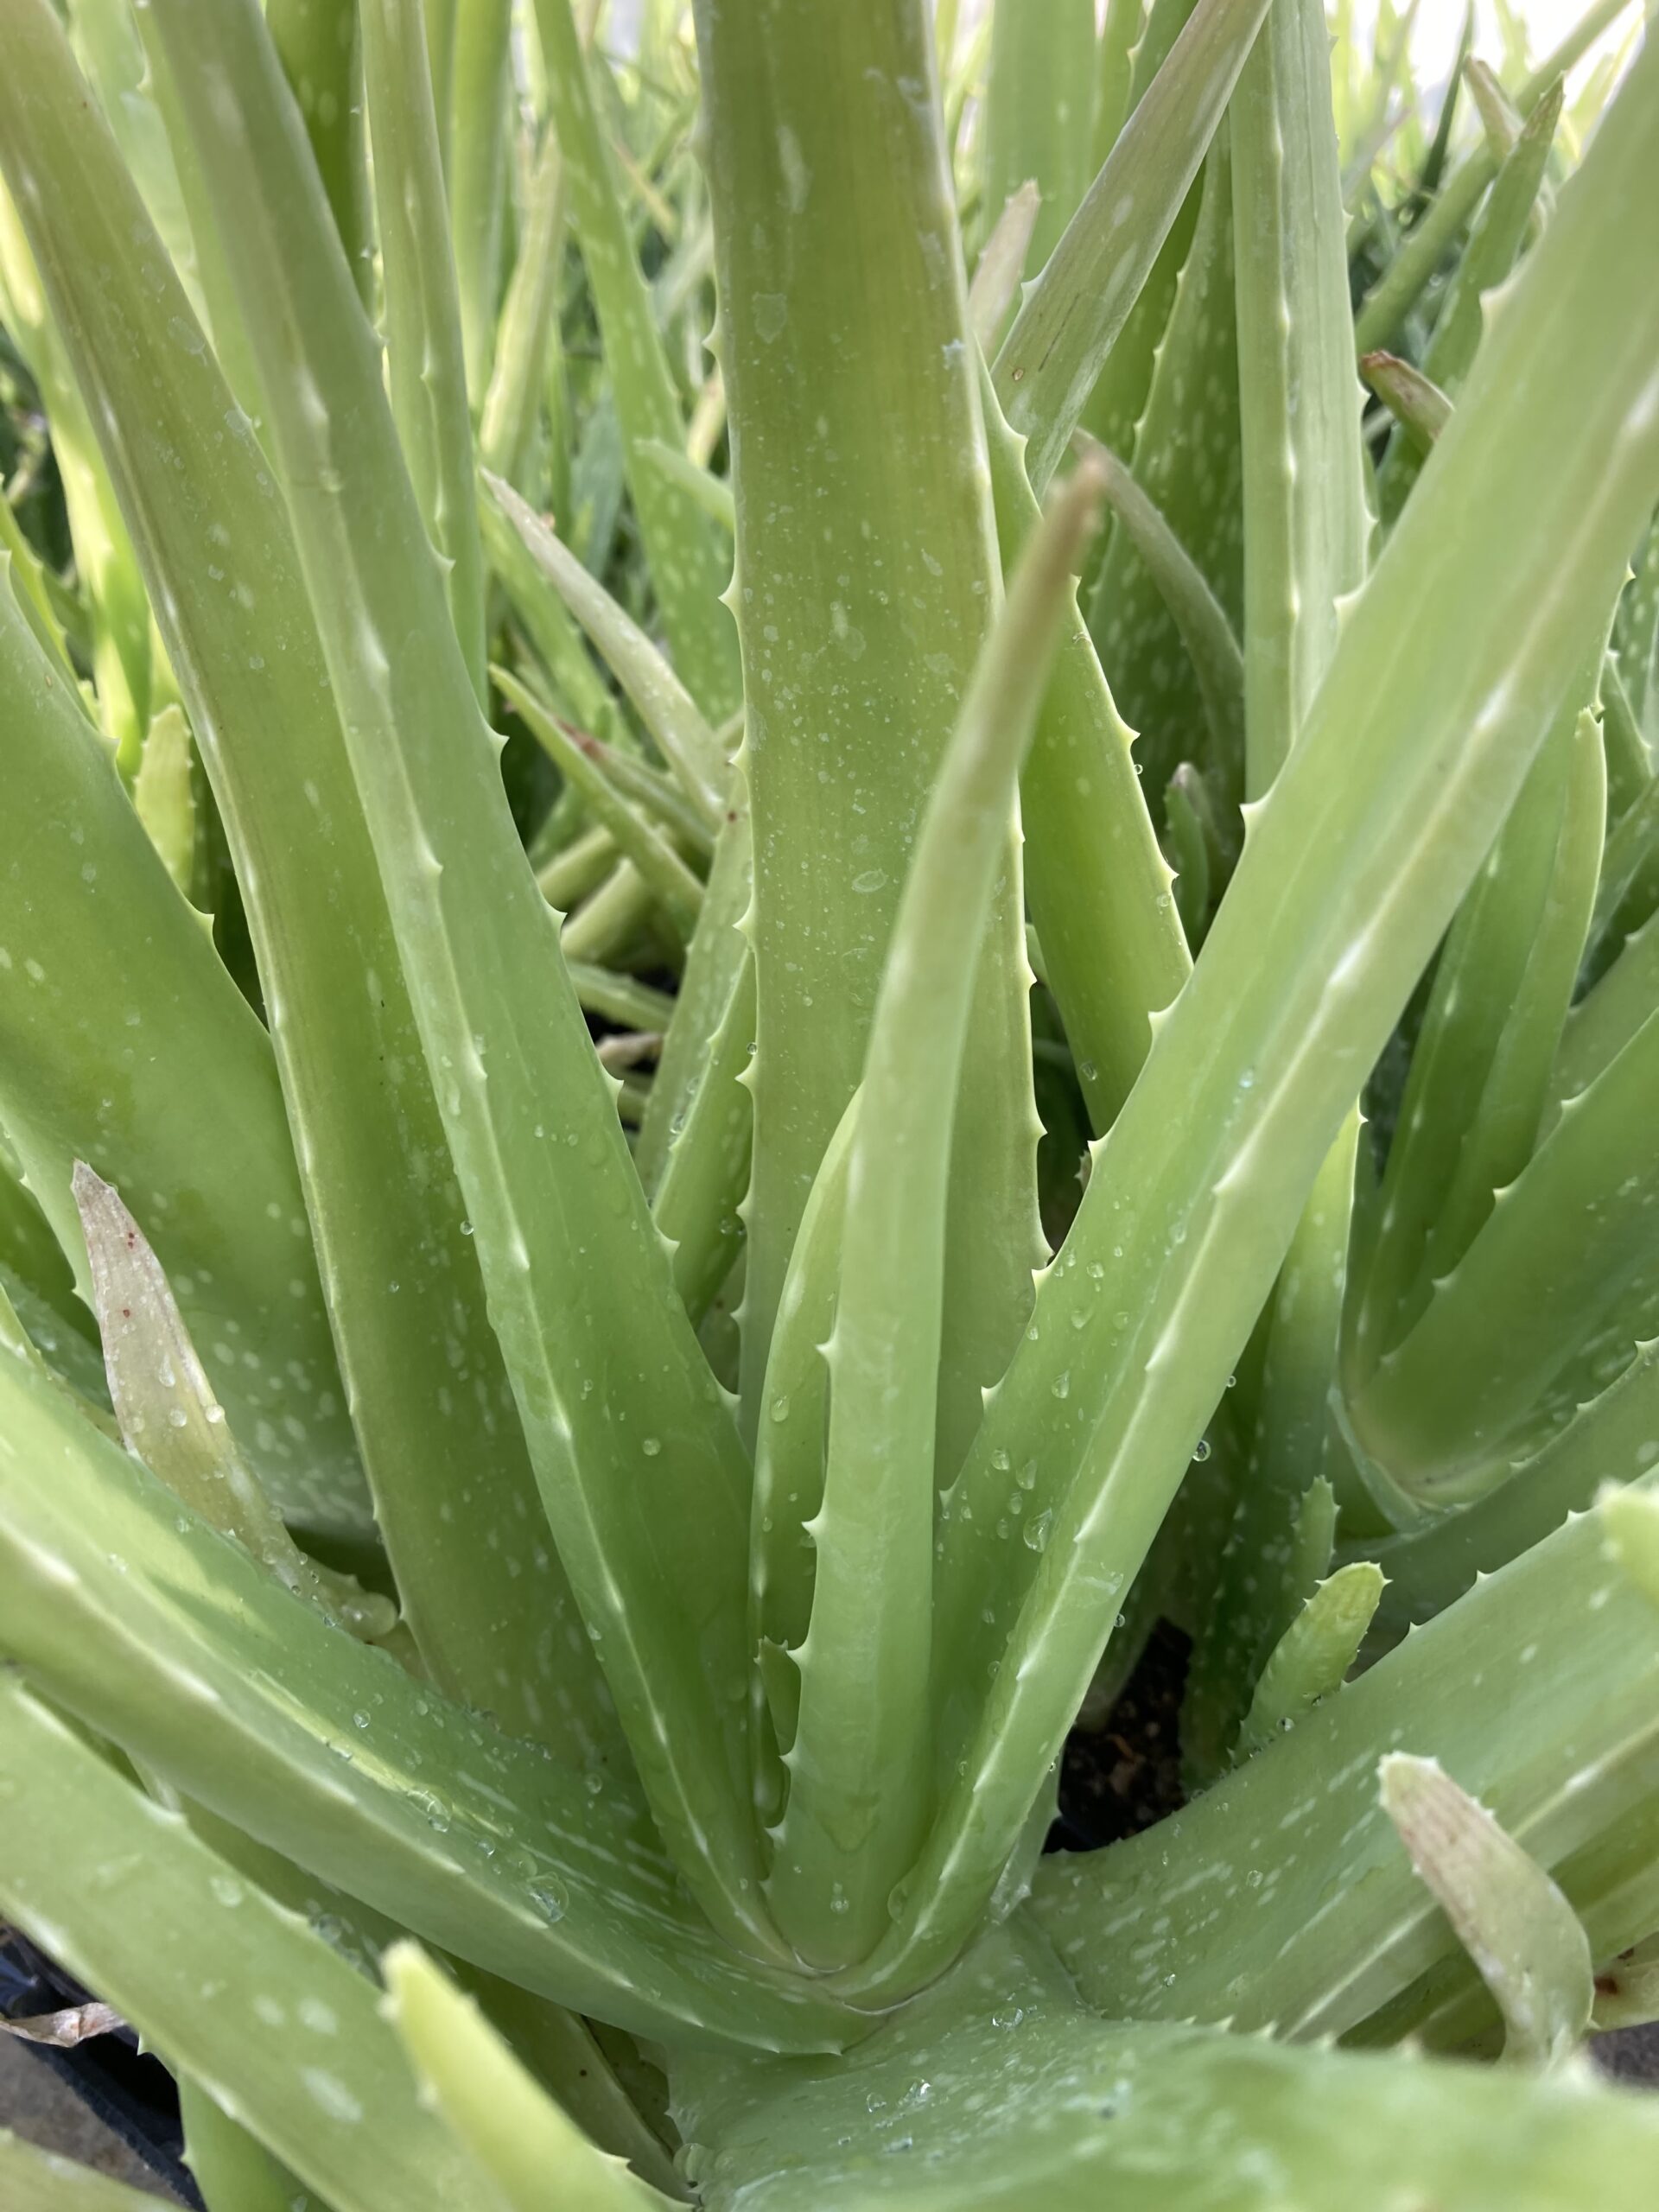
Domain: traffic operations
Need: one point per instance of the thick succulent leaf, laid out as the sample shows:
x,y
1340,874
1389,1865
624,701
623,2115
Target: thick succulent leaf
x,y
137,1616
714,961
1614,1439
996,2090
455,1497
1283,1525
316,42
105,562
531,2149
707,1171
1313,1657
858,1781
688,562
672,882
1036,125
1306,521
165,796
228,1987
427,373
828,182
1198,615
1535,1692
789,1466
39,2181
1415,401
1072,314
1604,1021
1391,299
1515,1923
474,134
642,1477
1561,1247
170,1419
123,1042
1120,33
712,493
1479,1077
231,2167
527,341
667,709
1353,867
1001,264
1112,951
1494,243
1187,460
1630,762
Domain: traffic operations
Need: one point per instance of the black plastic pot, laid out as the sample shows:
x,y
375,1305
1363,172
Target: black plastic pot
x,y
132,2093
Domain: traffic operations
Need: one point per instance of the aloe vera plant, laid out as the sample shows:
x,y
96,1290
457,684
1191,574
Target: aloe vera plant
x,y
648,1229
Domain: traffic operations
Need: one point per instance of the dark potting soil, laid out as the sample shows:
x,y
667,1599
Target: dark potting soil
x,y
1126,1776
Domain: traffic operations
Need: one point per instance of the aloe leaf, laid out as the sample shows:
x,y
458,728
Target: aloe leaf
x,y
1475,1097
454,1494
1120,33
665,707
1611,1440
30,1253
241,1997
475,167
1416,402
1575,1222
317,43
104,555
1204,1172
642,1479
1537,1691
1603,1023
526,343
1307,526
1071,316
858,1789
1037,120
1494,243
1313,1657
997,2090
1100,890
1001,265
165,797
711,494
46,2183
427,372
686,560
1284,1524
165,1081
221,316
671,881
1629,890
642,790
696,1202
232,2168
107,44
1515,1923
555,637
1198,615
813,148
134,1615
1188,460
517,2133
171,1420
1391,299
1630,764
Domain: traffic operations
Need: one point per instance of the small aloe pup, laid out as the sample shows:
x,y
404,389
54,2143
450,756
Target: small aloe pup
x,y
663,1201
